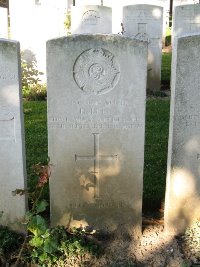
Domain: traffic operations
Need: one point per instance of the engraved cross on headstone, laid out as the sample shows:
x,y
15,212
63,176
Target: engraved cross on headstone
x,y
96,158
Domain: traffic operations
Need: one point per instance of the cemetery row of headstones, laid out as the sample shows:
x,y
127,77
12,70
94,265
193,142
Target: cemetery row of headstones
x,y
96,122
138,20
143,22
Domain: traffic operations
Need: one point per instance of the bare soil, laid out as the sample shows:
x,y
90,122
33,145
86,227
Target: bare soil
x,y
153,249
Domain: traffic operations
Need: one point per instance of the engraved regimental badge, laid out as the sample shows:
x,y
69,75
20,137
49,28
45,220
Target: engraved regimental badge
x,y
96,71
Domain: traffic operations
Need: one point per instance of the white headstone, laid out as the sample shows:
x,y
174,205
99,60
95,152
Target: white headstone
x,y
163,3
145,22
96,122
3,22
182,204
184,2
12,155
186,20
87,2
117,7
91,19
33,22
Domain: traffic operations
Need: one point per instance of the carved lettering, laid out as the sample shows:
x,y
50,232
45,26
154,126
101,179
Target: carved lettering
x,y
190,119
96,126
107,102
98,204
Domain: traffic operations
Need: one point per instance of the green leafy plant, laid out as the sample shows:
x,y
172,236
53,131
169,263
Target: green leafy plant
x,y
31,82
43,245
168,36
30,73
35,223
67,22
10,242
35,92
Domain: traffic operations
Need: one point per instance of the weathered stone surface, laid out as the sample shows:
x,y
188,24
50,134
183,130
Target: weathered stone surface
x,y
117,7
88,2
145,22
3,22
96,122
91,19
161,3
182,203
184,2
12,155
186,20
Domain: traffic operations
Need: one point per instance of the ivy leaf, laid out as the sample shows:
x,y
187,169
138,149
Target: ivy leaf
x,y
36,241
41,206
43,257
50,245
37,225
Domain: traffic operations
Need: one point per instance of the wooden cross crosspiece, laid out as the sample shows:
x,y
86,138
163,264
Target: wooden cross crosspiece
x,y
96,158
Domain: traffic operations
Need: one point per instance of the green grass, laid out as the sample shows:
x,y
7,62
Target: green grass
x,y
35,118
155,163
166,68
168,36
157,118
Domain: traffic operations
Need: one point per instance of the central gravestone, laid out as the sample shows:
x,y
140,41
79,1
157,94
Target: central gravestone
x,y
96,122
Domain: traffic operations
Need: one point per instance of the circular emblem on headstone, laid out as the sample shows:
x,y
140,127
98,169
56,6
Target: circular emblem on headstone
x,y
91,17
96,71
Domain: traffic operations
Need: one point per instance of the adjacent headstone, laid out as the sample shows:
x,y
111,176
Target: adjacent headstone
x,y
117,7
12,155
96,122
91,19
162,3
33,22
184,2
144,22
182,204
88,2
3,22
186,20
